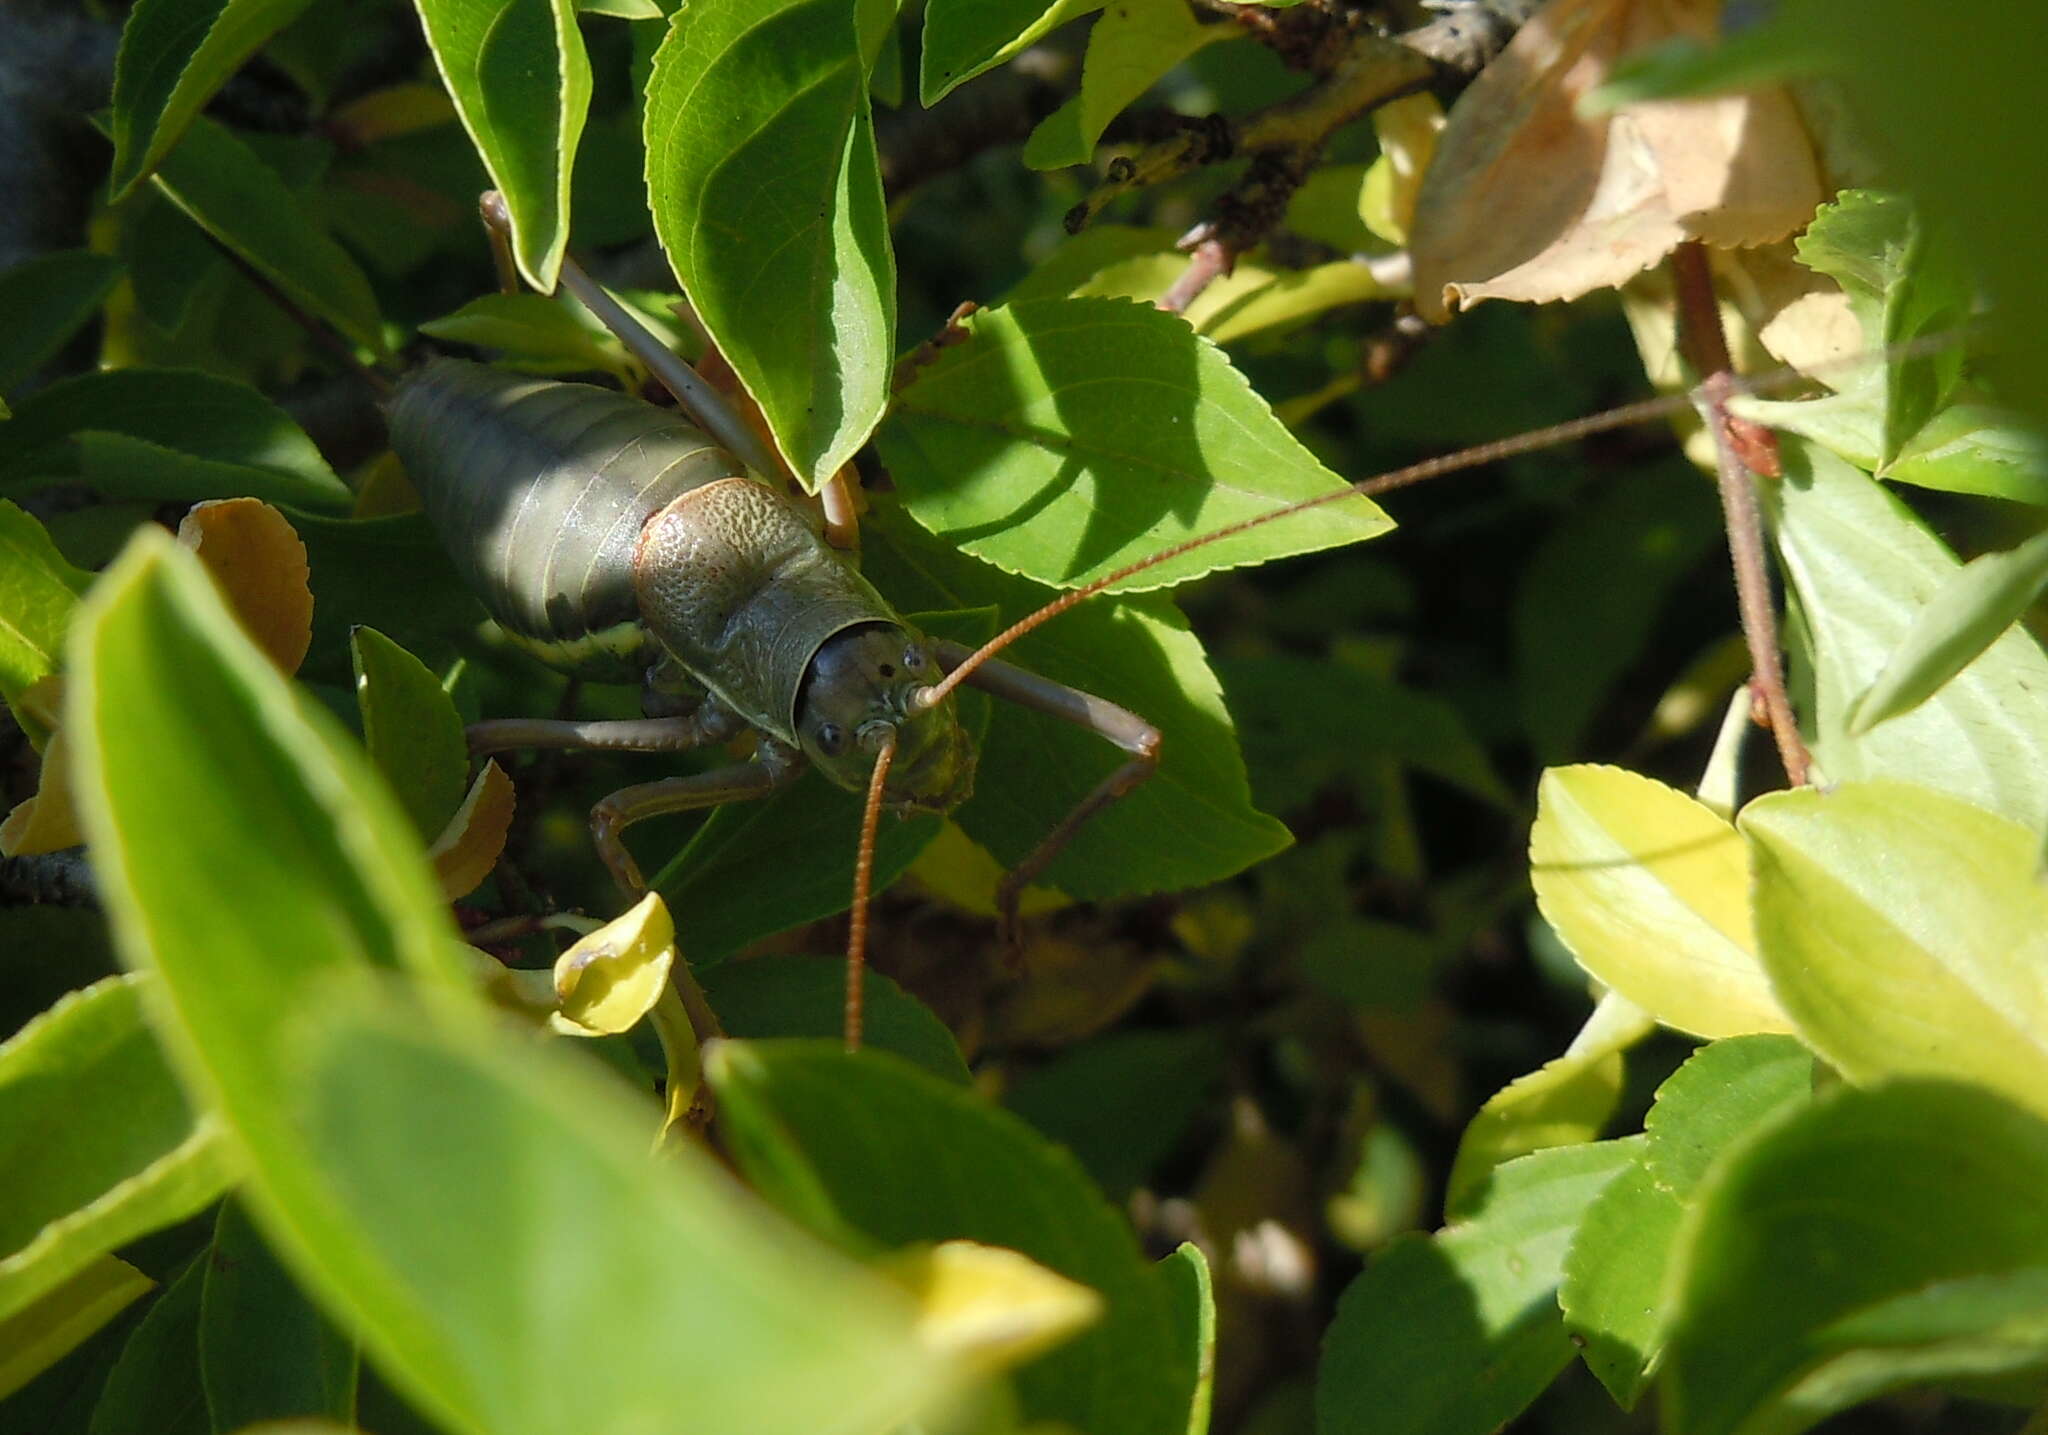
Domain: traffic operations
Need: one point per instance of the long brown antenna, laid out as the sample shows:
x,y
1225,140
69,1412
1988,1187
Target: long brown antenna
x,y
1477,456
1473,457
863,883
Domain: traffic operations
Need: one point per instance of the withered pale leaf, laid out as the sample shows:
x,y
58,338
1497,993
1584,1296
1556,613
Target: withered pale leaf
x,y
1527,200
259,565
469,847
47,821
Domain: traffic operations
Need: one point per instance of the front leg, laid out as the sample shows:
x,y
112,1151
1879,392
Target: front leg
x,y
1098,715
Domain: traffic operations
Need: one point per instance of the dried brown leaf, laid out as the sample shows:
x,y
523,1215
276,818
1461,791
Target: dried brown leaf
x,y
1527,200
259,565
469,847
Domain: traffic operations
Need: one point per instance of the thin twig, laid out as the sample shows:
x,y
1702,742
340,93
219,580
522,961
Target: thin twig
x,y
1706,349
335,346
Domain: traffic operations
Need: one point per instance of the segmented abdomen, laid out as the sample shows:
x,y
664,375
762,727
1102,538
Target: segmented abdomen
x,y
539,490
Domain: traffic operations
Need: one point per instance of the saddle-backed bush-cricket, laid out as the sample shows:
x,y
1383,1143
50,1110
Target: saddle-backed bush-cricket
x,y
630,544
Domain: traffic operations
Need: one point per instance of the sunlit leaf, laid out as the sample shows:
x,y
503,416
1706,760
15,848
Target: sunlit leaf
x,y
242,202
1985,597
901,1157
1612,1294
1650,890
47,822
757,125
1130,48
611,977
47,299
1454,1334
181,434
174,55
964,38
50,1327
98,1141
1564,1102
520,79
411,729
991,1306
1906,1195
1067,438
1863,567
1906,932
38,590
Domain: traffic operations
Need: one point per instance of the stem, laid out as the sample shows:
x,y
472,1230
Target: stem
x,y
1706,349
333,344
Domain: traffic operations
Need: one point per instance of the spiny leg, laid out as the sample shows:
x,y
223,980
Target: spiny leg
x,y
1098,715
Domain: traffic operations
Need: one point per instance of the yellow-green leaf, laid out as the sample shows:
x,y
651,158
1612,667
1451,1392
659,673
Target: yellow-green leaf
x,y
1650,890
1563,1102
989,1306
1905,931
612,977
36,1338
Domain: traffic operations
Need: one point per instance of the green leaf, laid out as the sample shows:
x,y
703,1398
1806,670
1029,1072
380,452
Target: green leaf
x,y
1875,1198
392,573
806,996
1969,613
52,1326
265,1352
379,1153
1262,300
1612,1294
1454,1334
1905,932
1863,567
758,125
47,299
1067,438
1564,1102
411,729
38,590
673,1297
97,1140
964,38
216,179
1122,1101
1972,446
1074,265
155,1383
174,55
1130,49
757,868
180,434
1576,639
1192,1297
1650,890
538,333
1286,707
520,79
1191,824
902,1157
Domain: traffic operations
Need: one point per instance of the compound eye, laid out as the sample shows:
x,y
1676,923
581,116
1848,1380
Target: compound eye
x,y
913,660
831,738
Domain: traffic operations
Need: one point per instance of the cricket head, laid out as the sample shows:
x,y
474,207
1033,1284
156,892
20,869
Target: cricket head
x,y
862,685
